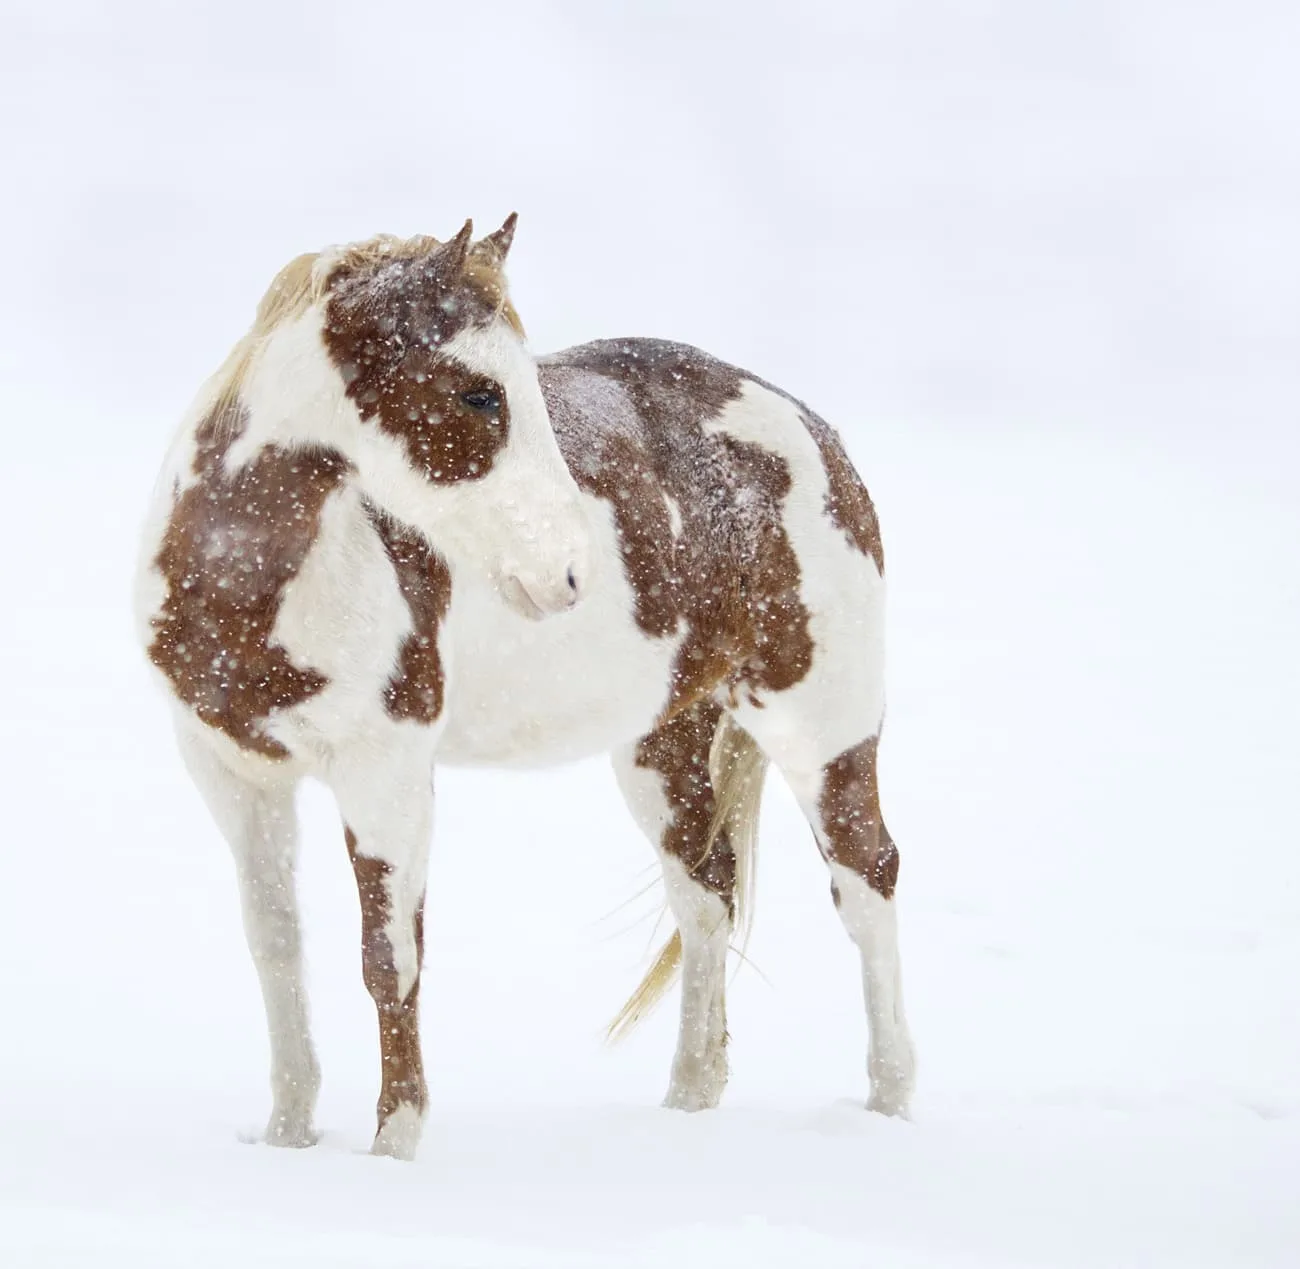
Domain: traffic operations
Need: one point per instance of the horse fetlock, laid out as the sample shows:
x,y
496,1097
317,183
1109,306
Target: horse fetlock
x,y
893,1078
698,1080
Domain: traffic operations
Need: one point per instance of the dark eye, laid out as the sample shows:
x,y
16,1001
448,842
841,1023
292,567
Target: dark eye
x,y
482,399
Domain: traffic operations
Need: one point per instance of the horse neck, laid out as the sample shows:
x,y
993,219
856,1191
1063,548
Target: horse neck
x,y
290,396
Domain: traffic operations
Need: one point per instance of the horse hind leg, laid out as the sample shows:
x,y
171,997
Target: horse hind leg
x,y
693,810
840,798
260,824
863,862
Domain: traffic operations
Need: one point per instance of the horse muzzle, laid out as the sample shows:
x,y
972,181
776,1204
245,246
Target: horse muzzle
x,y
535,597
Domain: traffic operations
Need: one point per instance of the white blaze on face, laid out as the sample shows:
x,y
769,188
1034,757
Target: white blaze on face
x,y
522,522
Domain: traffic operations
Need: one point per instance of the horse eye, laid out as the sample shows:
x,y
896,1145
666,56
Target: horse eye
x,y
482,399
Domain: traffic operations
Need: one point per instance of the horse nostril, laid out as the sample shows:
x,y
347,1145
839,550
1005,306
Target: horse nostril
x,y
572,578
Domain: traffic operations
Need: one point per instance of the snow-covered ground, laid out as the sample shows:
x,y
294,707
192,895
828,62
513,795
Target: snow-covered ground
x,y
1039,264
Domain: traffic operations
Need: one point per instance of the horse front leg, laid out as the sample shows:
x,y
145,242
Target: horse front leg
x,y
260,824
386,799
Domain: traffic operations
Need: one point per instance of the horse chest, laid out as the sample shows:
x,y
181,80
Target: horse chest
x,y
524,693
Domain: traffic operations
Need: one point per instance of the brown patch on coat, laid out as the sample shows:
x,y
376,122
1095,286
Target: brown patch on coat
x,y
678,752
626,481
848,504
233,544
776,646
853,830
385,322
399,1017
416,689
630,416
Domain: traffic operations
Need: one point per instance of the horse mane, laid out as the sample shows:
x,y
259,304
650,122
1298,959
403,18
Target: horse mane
x,y
306,278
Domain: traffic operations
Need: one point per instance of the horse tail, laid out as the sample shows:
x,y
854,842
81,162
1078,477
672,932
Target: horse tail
x,y
736,769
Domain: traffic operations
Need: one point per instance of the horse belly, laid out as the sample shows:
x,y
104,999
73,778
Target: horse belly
x,y
531,693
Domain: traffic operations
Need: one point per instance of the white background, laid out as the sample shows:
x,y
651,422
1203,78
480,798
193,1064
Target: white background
x,y
1040,264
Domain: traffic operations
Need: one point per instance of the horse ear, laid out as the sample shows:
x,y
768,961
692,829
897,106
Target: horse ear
x,y
503,237
451,255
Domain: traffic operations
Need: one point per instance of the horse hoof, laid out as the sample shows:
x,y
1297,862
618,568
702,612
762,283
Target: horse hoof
x,y
399,1135
890,1096
692,1099
892,1081
290,1136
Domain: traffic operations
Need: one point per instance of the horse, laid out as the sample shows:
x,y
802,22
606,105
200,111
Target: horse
x,y
386,538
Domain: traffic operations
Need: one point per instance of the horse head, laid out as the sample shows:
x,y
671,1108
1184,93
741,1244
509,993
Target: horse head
x,y
452,433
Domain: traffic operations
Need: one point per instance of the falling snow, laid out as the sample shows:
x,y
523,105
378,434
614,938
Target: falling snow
x,y
1038,264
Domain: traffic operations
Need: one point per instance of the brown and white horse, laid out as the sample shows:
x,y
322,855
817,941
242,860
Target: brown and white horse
x,y
387,538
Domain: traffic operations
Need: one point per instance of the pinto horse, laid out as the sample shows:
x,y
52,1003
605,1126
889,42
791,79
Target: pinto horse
x,y
386,538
